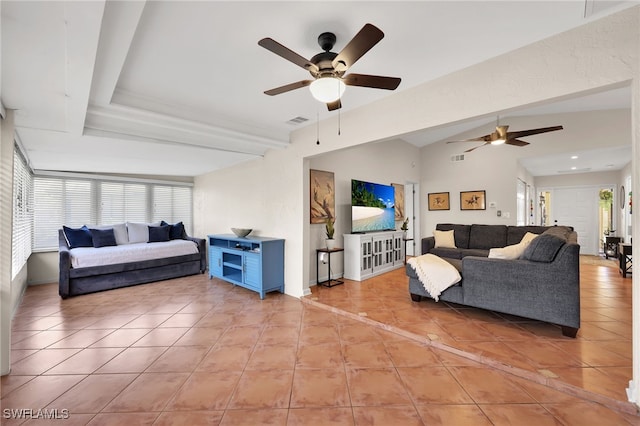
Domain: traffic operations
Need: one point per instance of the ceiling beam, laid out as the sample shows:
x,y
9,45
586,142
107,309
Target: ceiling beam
x,y
118,28
82,22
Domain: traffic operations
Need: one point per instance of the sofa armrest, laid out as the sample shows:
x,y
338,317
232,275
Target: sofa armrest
x,y
64,265
427,244
202,248
544,291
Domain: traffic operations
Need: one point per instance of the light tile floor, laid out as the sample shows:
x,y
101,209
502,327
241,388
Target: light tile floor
x,y
195,351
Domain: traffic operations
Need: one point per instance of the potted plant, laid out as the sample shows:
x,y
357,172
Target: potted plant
x,y
405,227
329,231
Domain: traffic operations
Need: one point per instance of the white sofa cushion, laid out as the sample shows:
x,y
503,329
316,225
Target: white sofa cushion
x,y
444,239
513,251
119,230
139,232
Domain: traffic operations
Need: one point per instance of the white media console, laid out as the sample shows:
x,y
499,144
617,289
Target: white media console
x,y
368,255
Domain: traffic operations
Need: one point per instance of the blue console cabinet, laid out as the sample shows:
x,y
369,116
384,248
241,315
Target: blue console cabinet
x,y
255,263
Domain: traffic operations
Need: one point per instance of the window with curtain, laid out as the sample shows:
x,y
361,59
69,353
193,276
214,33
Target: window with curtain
x,y
76,201
22,213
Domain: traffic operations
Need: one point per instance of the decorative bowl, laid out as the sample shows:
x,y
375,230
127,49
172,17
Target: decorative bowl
x,y
241,232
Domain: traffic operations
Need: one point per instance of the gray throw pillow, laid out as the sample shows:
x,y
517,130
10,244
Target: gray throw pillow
x,y
559,231
543,248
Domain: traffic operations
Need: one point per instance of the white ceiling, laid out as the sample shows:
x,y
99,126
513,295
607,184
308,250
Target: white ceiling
x,y
176,88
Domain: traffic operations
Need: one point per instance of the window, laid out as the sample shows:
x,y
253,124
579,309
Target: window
x,y
60,202
76,201
123,202
172,204
22,213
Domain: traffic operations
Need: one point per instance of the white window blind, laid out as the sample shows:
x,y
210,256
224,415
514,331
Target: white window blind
x,y
123,202
60,202
172,204
22,213
77,201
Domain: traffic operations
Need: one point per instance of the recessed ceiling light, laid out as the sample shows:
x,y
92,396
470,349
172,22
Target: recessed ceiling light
x,y
574,168
574,157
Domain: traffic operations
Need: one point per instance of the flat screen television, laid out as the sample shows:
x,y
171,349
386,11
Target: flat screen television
x,y
372,207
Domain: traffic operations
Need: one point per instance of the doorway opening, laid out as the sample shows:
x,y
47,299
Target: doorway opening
x,y
606,229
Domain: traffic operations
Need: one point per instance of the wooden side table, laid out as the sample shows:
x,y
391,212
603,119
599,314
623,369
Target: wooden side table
x,y
624,255
329,282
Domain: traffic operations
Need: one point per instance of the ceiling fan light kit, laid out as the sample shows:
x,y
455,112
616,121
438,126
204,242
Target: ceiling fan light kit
x,y
328,68
327,89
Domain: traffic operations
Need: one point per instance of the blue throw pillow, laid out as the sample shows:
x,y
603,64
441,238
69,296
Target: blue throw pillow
x,y
103,237
177,231
159,234
78,237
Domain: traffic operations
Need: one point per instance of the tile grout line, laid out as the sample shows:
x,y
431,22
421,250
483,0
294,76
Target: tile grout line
x,y
621,406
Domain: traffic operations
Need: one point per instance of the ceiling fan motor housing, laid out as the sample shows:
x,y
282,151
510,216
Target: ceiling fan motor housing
x,y
326,41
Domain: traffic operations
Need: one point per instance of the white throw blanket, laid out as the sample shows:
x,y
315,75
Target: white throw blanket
x,y
435,274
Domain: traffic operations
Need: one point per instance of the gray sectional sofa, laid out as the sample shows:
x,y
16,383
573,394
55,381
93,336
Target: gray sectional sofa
x,y
74,281
543,284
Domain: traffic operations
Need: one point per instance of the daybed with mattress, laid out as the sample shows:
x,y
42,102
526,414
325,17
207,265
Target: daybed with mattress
x,y
121,255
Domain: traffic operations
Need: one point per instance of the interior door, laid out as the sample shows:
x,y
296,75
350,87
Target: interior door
x,y
578,207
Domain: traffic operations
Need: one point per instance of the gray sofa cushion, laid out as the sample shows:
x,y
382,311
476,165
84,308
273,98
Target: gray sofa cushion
x,y
460,233
543,248
446,253
474,252
515,233
559,231
487,236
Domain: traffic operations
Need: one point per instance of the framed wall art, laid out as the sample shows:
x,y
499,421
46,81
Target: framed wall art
x,y
398,201
473,200
439,201
322,194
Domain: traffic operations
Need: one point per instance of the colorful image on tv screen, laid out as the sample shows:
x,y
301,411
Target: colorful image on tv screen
x,y
372,207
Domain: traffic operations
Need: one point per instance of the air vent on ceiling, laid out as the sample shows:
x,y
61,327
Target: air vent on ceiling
x,y
297,120
458,157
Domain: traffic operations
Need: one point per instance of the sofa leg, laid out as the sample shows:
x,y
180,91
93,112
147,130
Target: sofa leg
x,y
416,297
569,331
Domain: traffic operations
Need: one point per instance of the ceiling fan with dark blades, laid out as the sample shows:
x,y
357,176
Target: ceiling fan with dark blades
x,y
503,136
328,68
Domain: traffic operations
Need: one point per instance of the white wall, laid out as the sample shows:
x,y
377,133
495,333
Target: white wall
x,y
271,194
386,162
8,289
491,170
622,181
43,267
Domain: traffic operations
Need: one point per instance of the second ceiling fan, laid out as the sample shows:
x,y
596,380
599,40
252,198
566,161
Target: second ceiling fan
x,y
328,68
503,136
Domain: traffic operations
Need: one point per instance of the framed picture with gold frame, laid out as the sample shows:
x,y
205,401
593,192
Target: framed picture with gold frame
x,y
439,201
473,200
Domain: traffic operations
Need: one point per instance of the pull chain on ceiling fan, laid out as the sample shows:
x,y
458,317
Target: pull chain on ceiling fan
x,y
328,68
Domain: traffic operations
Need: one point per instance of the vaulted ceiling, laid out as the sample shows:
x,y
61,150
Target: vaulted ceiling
x,y
176,88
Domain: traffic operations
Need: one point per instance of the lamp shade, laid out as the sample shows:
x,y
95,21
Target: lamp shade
x,y
327,89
